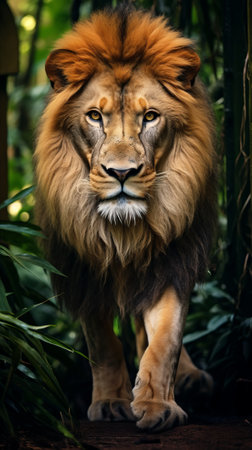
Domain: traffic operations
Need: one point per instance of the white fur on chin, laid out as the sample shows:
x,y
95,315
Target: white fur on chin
x,y
122,210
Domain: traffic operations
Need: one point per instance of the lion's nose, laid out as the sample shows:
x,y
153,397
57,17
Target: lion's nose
x,y
122,174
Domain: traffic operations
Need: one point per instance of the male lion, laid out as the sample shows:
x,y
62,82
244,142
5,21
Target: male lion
x,y
125,169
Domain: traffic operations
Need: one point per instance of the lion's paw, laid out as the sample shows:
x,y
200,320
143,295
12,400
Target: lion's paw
x,y
113,409
158,415
194,389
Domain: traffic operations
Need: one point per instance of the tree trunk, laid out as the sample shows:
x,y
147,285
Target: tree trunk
x,y
8,66
237,275
250,96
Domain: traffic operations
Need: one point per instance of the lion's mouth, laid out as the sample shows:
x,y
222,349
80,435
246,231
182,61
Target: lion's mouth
x,y
122,198
122,208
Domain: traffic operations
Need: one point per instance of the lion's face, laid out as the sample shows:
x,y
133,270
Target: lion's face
x,y
121,130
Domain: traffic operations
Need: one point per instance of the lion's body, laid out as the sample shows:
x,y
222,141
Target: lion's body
x,y
126,170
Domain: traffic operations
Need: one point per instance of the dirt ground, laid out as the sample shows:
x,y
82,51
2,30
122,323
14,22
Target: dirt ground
x,y
216,433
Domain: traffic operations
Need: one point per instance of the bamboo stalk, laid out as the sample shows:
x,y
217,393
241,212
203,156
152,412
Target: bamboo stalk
x,y
249,22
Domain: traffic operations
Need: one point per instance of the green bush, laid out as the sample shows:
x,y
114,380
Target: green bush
x,y
30,389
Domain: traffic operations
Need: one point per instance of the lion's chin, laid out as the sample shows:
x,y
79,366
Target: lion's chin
x,y
122,210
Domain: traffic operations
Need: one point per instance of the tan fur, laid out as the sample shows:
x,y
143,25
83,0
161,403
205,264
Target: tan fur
x,y
125,168
154,389
110,376
190,381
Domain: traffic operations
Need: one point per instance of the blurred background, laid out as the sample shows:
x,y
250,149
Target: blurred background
x,y
44,375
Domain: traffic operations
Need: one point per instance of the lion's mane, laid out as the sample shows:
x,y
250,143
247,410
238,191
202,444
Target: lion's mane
x,y
133,264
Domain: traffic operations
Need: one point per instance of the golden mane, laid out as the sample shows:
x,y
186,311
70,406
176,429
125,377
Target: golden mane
x,y
135,38
178,227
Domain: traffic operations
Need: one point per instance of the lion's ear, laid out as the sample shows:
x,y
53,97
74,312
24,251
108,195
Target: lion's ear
x,y
58,68
189,67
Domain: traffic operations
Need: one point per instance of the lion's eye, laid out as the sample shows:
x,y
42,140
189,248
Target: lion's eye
x,y
150,116
94,115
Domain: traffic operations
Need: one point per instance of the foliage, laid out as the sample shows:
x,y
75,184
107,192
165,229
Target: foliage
x,y
211,307
28,384
218,337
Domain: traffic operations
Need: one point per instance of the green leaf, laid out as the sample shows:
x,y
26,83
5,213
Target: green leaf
x,y
16,355
12,276
32,390
6,252
19,240
27,309
191,337
59,426
35,355
4,305
33,259
220,347
49,420
215,323
221,362
9,318
20,228
33,331
16,197
57,343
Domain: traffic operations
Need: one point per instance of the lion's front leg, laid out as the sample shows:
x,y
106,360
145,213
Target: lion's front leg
x,y
112,394
154,405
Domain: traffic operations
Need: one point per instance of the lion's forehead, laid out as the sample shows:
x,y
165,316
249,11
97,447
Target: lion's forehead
x,y
137,95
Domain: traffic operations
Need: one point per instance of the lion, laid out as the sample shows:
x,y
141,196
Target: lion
x,y
126,191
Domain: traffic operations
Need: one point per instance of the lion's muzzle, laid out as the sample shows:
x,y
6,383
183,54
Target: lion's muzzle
x,y
124,202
